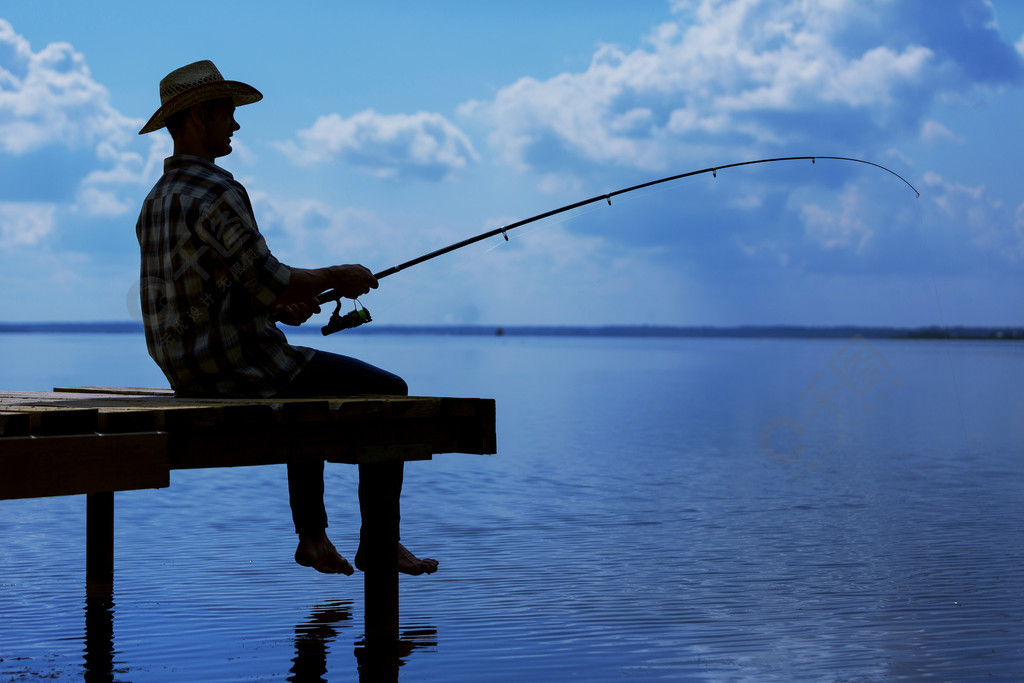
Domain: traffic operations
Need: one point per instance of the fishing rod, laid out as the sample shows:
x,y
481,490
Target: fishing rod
x,y
361,315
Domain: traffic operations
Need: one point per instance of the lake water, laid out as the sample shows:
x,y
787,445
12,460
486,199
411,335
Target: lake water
x,y
684,509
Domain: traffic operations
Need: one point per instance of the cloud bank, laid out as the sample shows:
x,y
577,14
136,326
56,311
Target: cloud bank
x,y
69,142
745,75
49,98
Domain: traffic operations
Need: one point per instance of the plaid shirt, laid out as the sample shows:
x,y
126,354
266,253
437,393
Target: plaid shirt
x,y
208,280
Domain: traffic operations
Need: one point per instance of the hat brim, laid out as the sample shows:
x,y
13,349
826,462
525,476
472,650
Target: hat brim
x,y
240,93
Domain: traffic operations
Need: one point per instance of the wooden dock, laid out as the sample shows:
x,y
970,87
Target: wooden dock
x,y
99,440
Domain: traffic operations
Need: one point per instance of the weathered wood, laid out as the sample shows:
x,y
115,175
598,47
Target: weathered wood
x,y
34,467
126,391
119,421
188,418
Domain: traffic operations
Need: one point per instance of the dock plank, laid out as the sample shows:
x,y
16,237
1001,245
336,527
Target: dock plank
x,y
125,391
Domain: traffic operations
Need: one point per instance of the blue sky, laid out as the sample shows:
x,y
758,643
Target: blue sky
x,y
390,129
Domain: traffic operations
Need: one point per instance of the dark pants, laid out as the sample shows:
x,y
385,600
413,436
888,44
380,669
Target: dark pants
x,y
380,484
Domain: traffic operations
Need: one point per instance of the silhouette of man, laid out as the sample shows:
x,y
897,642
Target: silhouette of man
x,y
210,290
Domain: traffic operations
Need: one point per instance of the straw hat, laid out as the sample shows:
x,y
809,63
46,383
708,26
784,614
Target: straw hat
x,y
193,84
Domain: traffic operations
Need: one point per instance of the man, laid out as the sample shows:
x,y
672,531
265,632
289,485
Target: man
x,y
210,290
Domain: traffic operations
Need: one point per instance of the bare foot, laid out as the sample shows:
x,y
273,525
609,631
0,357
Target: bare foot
x,y
319,553
412,565
407,562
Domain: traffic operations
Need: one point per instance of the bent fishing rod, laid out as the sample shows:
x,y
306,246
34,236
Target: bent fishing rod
x,y
361,315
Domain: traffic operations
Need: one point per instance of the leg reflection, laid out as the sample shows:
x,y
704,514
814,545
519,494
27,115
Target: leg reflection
x,y
379,661
312,638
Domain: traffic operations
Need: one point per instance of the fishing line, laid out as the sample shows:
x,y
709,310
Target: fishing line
x,y
337,324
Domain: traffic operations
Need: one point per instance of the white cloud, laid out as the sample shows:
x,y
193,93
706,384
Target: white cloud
x,y
774,250
984,223
942,193
25,223
933,133
838,228
96,202
313,232
424,144
98,192
558,183
49,97
741,75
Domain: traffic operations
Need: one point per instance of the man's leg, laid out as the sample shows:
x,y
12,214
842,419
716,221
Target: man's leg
x,y
380,490
306,496
380,485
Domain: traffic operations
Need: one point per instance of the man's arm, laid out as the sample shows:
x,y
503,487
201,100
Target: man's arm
x,y
350,280
298,300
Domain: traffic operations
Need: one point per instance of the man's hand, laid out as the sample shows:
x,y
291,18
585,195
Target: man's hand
x,y
349,280
352,281
296,314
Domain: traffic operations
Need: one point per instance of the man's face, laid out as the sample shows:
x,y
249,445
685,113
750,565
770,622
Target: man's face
x,y
220,124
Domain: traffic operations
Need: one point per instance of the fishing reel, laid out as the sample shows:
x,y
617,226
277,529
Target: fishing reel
x,y
353,318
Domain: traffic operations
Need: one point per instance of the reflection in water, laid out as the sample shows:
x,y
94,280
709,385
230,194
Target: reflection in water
x,y
312,642
99,632
312,637
381,662
376,663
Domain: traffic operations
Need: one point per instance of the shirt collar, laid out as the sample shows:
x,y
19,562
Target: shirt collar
x,y
180,160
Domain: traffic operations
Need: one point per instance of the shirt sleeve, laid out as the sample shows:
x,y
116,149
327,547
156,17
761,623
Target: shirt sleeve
x,y
229,227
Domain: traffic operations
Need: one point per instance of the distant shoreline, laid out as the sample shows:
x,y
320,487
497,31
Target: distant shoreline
x,y
702,331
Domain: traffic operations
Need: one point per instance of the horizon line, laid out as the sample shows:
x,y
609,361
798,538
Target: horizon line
x,y
779,330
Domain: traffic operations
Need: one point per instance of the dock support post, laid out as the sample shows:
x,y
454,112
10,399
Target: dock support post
x,y
380,599
99,537
380,487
